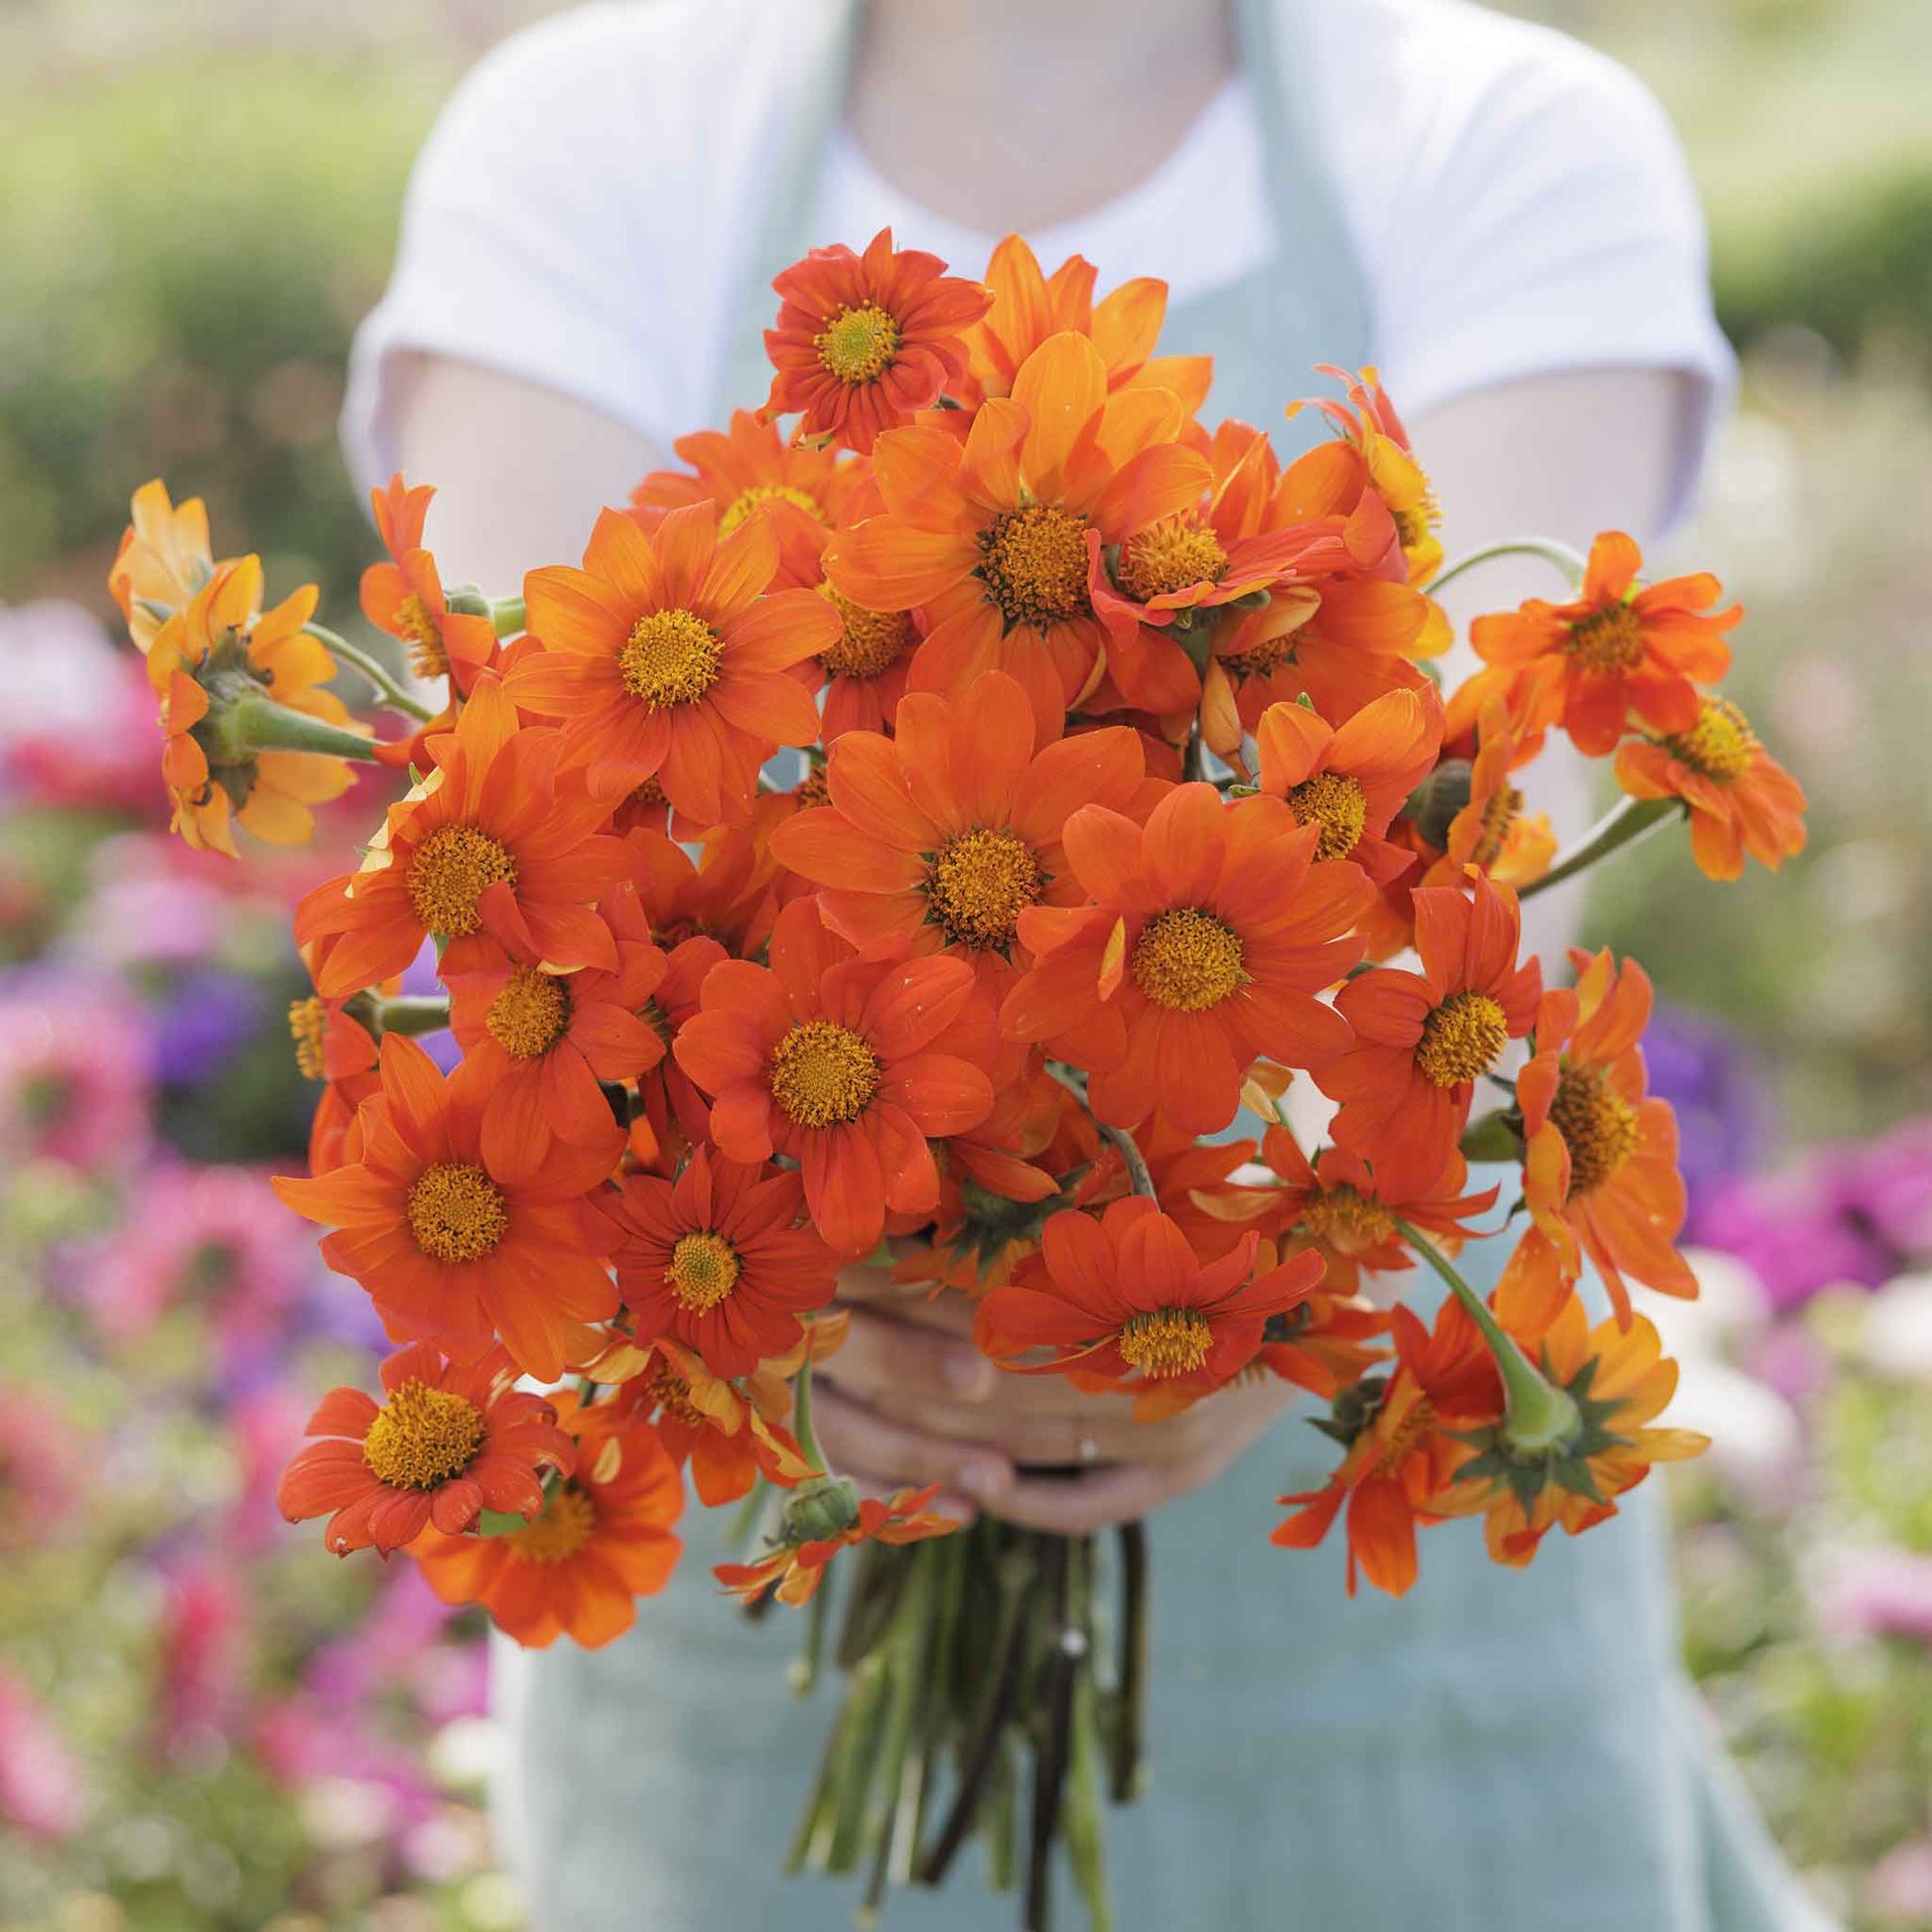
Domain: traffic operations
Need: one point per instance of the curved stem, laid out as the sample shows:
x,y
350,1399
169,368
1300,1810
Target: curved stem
x,y
801,1416
1539,1414
1560,554
387,688
1628,820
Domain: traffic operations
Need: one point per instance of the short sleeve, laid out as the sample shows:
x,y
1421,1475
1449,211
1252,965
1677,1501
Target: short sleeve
x,y
554,227
1546,220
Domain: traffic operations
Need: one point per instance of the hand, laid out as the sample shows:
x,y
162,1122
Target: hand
x,y
910,1398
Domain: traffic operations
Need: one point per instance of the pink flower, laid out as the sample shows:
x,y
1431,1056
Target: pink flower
x,y
307,1741
1899,1886
41,1479
204,1656
73,1075
1881,1594
77,727
40,1785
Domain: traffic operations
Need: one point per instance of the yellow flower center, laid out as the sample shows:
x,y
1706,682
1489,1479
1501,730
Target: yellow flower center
x,y
858,344
1403,1437
423,1437
1187,959
1336,802
814,788
308,1022
1610,640
1263,658
424,637
567,1521
823,1074
670,1393
1033,563
1170,1341
1348,1221
1174,554
1498,815
1599,1126
452,870
456,1212
747,499
1720,745
872,642
529,1016
1462,1039
979,884
669,658
704,1270
1415,523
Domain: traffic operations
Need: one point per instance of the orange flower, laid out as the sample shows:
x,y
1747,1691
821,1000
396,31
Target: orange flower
x,y
448,1441
603,1540
750,467
667,658
1405,1448
451,1247
490,853
543,1041
1423,1039
1210,933
1385,461
162,560
943,835
1351,782
990,540
1345,1208
824,1518
715,1259
1614,650
1740,799
1123,1297
334,1046
1028,306
844,1063
221,645
1619,1380
1489,829
404,596
864,341
1599,1169
867,668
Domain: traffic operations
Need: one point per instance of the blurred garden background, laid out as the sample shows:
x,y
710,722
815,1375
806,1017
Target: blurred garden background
x,y
197,1728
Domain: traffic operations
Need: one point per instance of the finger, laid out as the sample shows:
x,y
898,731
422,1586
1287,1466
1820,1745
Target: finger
x,y
1096,1500
912,1302
857,1439
881,1353
1106,1434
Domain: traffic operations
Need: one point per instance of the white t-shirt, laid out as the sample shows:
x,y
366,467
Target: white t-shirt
x,y
584,212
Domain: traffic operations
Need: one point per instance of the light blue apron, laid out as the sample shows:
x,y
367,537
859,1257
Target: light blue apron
x,y
1500,1751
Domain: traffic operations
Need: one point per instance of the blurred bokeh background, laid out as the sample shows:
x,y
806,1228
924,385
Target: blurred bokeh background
x,y
199,1724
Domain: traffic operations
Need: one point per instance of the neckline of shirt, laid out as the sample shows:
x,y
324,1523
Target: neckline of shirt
x,y
1200,222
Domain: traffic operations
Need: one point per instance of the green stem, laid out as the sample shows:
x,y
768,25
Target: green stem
x,y
1559,554
1117,1138
507,615
1627,821
387,688
1540,1414
262,725
801,1416
413,1013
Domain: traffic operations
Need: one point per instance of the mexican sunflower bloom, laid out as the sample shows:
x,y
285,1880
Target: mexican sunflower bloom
x,y
846,1063
825,1518
943,835
492,853
717,1261
1423,1040
864,341
1405,1448
603,1538
1351,782
162,560
542,1041
1489,829
1740,799
1612,651
404,594
220,643
1207,936
1373,452
1123,1296
1599,1169
1620,1381
452,1248
667,656
446,1441
990,540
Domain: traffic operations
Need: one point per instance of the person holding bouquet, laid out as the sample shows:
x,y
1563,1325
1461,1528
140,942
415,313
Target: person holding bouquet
x,y
1500,221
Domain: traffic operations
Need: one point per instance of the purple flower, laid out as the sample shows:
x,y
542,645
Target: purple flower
x,y
1720,1104
201,1021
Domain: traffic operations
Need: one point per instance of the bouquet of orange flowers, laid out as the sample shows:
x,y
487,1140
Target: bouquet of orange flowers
x,y
1118,775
